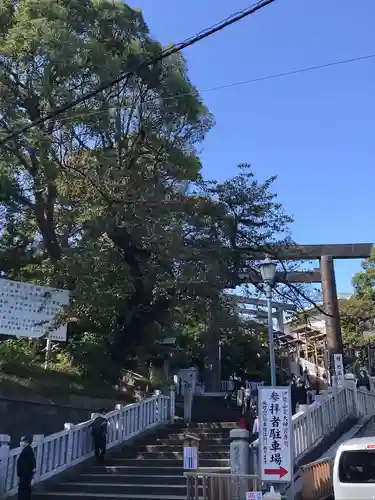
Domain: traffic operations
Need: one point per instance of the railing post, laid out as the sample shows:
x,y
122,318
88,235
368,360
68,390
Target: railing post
x,y
172,403
309,423
351,383
69,449
239,451
38,444
239,461
157,395
336,405
121,423
188,402
4,457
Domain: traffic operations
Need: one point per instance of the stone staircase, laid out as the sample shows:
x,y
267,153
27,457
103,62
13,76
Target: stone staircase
x,y
150,469
214,409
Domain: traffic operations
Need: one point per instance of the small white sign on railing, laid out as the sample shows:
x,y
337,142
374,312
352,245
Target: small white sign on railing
x,y
254,495
275,435
190,458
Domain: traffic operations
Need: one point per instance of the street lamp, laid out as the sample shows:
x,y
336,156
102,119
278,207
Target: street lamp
x,y
268,272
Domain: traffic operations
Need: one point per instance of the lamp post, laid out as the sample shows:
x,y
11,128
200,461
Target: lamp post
x,y
268,271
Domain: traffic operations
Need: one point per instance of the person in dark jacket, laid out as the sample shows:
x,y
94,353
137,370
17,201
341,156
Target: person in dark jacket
x,y
99,435
25,468
295,394
364,380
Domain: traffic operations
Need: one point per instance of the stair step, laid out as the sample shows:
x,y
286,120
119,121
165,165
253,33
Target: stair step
x,y
214,425
127,470
133,479
105,496
202,435
116,488
221,431
165,462
203,447
179,454
212,441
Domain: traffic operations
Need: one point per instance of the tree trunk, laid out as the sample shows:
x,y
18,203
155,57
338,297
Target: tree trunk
x,y
212,361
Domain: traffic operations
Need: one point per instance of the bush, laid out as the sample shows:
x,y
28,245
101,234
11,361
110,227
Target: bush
x,y
90,356
61,361
17,351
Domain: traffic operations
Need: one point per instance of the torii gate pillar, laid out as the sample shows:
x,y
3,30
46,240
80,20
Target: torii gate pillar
x,y
331,307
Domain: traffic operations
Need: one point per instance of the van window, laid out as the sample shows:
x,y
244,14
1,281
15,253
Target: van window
x,y
357,466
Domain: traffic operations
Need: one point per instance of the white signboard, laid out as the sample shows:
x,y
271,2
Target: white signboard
x,y
254,495
275,435
28,310
339,368
190,457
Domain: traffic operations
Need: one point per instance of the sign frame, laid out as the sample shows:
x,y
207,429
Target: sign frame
x,y
284,466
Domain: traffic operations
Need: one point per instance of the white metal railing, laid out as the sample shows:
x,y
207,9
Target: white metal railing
x,y
366,402
211,485
59,451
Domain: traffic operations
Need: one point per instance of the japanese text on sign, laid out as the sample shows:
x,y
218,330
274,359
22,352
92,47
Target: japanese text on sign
x,y
275,436
28,310
339,368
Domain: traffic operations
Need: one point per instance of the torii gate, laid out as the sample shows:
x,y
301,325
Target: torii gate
x,y
325,254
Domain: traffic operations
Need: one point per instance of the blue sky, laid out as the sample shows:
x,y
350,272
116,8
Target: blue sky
x,y
314,130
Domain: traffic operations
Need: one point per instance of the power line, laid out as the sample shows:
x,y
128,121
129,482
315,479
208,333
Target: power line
x,y
292,72
164,54
234,84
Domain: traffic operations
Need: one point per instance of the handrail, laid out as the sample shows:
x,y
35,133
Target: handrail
x,y
59,451
316,477
206,485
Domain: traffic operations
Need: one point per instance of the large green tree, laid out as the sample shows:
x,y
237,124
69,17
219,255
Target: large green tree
x,y
88,195
107,199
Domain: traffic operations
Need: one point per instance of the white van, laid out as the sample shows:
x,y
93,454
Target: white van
x,y
354,470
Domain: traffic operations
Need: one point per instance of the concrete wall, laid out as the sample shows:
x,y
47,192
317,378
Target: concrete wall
x,y
37,415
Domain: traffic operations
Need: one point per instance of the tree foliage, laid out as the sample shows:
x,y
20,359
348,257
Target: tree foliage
x,y
108,199
358,313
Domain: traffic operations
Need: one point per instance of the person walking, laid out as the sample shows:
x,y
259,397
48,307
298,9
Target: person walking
x,y
99,435
255,430
294,395
26,465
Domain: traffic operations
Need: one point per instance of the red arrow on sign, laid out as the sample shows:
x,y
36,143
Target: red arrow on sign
x,y
281,472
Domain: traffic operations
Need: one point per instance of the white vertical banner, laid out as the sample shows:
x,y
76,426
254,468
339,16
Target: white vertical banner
x,y
338,364
275,435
